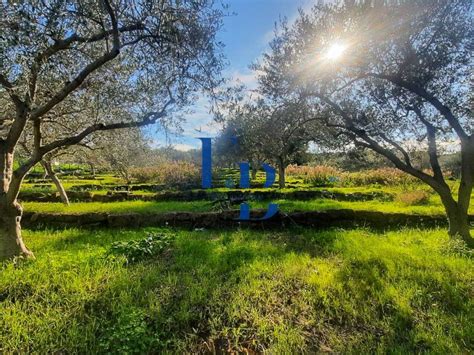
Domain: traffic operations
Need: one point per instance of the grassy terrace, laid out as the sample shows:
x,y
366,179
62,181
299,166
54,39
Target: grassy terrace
x,y
287,292
202,206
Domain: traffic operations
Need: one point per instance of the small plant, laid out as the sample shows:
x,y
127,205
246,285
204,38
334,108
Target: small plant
x,y
138,250
457,247
413,198
128,334
226,203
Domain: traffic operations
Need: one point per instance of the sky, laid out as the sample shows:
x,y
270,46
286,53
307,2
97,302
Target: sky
x,y
245,34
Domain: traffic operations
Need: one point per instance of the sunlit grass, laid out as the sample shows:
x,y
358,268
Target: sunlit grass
x,y
325,204
118,207
206,206
293,291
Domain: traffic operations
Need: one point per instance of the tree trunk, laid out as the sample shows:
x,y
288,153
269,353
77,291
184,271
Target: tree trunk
x,y
458,213
458,219
254,171
11,242
92,167
459,226
281,174
59,186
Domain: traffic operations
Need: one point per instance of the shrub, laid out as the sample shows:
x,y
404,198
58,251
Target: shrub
x,y
139,250
412,198
174,173
382,176
319,175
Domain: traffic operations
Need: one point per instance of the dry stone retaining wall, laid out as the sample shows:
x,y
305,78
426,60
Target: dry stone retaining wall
x,y
341,217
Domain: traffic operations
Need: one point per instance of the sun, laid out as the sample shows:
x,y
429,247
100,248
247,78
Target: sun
x,y
335,51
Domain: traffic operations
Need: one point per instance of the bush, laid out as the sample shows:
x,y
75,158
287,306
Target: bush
x,y
413,198
319,175
173,173
139,250
382,176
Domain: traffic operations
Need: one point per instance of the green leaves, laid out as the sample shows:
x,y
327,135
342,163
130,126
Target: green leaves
x,y
139,250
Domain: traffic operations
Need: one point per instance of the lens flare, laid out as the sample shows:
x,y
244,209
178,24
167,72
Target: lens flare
x,y
335,51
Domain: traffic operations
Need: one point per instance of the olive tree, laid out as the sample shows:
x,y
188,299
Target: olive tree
x,y
141,59
384,75
272,132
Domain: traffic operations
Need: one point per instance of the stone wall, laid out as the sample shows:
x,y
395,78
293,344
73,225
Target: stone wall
x,y
317,219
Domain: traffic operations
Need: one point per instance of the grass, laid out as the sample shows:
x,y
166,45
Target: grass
x,y
118,207
433,208
292,291
373,205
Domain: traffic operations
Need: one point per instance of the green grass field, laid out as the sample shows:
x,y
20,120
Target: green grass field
x,y
286,292
106,183
202,206
292,291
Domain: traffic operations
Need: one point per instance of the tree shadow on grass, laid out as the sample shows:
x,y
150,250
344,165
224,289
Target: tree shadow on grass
x,y
299,240
221,290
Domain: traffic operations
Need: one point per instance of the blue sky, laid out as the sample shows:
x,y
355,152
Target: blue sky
x,y
246,35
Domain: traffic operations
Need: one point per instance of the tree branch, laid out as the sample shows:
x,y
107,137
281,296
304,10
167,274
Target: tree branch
x,y
11,92
397,146
149,118
375,146
63,44
422,92
74,84
37,134
432,146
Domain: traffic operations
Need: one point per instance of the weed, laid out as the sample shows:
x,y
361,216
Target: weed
x,y
139,250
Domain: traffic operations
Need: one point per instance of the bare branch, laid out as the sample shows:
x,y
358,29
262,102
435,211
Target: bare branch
x,y
37,134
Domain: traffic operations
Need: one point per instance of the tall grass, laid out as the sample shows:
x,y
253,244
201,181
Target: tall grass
x,y
401,205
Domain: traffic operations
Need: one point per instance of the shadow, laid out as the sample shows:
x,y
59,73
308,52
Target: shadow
x,y
225,290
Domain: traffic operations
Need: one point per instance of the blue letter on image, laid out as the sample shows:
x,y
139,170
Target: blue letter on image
x,y
206,163
244,179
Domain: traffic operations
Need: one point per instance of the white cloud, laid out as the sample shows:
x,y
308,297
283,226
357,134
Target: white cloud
x,y
248,78
182,147
200,126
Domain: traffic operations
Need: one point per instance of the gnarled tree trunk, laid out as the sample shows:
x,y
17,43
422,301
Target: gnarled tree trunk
x,y
92,168
11,242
